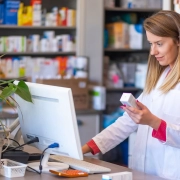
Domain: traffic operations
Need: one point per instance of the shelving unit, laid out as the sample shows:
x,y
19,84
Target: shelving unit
x,y
15,30
7,30
118,54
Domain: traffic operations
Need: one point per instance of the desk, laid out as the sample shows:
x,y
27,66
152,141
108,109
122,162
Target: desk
x,y
114,168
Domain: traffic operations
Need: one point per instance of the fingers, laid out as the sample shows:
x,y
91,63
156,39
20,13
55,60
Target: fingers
x,y
131,109
134,116
142,106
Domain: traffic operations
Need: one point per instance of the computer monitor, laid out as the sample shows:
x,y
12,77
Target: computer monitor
x,y
51,117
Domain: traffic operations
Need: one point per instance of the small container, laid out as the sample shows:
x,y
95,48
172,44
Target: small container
x,y
11,168
98,97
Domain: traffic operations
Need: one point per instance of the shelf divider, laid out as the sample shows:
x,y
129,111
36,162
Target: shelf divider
x,y
35,27
124,50
120,9
38,53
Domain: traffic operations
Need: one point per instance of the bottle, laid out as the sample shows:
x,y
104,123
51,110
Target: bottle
x,y
98,97
43,17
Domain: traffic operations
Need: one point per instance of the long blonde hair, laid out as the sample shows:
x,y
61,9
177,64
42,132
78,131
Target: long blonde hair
x,y
163,24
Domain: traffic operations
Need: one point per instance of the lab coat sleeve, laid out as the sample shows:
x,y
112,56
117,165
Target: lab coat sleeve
x,y
172,135
115,133
161,132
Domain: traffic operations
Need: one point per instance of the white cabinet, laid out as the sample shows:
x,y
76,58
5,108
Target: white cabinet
x,y
89,126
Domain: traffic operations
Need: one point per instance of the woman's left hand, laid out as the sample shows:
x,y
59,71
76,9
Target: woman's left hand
x,y
142,115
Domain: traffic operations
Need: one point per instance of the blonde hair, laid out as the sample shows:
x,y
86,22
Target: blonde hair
x,y
163,24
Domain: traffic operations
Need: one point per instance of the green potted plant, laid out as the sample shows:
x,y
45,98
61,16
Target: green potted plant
x,y
7,89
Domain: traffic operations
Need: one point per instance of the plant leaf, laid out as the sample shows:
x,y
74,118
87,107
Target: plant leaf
x,y
8,91
23,91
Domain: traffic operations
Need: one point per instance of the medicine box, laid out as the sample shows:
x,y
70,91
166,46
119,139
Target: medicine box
x,y
137,37
10,11
118,176
128,70
118,35
128,99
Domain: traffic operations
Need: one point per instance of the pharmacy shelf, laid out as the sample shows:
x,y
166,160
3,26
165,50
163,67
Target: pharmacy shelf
x,y
35,27
37,53
131,10
124,50
125,89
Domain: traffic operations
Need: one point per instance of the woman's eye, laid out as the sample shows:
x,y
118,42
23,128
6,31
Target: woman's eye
x,y
159,44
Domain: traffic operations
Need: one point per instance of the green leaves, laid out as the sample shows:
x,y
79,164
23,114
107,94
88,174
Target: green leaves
x,y
21,89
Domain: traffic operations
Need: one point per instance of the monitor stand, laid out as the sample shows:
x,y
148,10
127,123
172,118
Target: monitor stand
x,y
46,166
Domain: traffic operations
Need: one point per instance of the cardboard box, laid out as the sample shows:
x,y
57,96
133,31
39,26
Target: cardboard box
x,y
79,89
118,35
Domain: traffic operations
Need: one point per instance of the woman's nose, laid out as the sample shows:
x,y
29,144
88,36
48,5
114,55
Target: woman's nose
x,y
154,50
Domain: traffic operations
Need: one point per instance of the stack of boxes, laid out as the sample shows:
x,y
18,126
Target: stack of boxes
x,y
124,35
13,12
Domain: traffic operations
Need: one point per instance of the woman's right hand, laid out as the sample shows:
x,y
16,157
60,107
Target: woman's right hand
x,y
86,149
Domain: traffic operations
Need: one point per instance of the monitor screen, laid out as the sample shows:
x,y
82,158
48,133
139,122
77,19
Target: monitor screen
x,y
51,117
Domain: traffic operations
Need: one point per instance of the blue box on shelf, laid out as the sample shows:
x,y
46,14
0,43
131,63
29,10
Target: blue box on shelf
x,y
10,11
1,13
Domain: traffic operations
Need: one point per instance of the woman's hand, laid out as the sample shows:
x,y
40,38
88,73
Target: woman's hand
x,y
142,115
86,149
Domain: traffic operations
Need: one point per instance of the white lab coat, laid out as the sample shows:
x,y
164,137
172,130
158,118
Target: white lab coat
x,y
150,155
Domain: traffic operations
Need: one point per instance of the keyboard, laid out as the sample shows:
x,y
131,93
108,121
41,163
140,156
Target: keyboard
x,y
80,165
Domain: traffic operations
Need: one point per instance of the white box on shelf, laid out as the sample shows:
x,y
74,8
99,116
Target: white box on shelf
x,y
136,36
140,75
133,3
154,4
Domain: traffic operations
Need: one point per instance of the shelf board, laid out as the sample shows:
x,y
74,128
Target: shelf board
x,y
38,53
14,78
123,89
131,9
35,27
125,50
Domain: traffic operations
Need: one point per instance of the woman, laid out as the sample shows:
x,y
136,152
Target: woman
x,y
157,145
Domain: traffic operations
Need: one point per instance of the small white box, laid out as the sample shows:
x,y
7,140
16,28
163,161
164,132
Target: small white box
x,y
118,176
129,100
9,168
